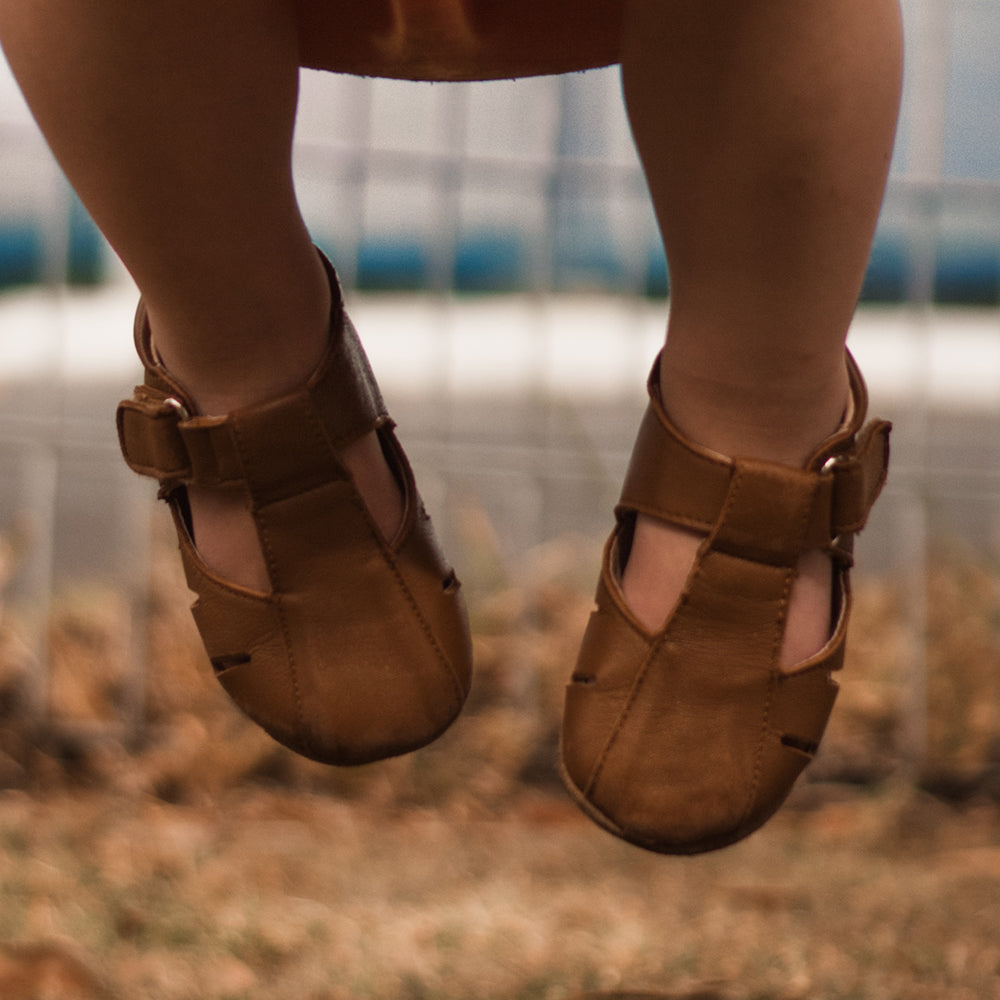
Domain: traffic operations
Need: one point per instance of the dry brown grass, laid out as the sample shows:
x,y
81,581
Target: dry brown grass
x,y
204,862
270,894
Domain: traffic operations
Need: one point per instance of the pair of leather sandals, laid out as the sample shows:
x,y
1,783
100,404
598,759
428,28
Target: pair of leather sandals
x,y
679,741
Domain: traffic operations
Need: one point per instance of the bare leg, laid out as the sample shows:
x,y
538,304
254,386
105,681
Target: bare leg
x,y
765,129
173,122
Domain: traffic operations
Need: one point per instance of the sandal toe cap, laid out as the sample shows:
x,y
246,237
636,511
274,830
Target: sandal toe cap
x,y
681,800
366,696
681,757
362,713
353,665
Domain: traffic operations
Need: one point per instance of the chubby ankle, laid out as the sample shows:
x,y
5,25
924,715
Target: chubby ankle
x,y
261,369
771,420
245,349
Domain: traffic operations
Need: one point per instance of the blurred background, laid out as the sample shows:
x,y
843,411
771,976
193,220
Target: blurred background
x,y
503,265
501,262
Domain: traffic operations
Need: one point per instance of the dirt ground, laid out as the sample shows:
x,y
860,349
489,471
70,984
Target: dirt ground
x,y
274,895
181,856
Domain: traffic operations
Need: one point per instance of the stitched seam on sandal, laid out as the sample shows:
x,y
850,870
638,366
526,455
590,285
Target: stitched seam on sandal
x,y
425,628
411,507
391,561
772,683
774,677
385,548
276,597
758,765
654,648
751,798
623,716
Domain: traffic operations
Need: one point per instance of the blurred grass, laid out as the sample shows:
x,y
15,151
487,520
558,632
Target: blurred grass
x,y
202,861
273,894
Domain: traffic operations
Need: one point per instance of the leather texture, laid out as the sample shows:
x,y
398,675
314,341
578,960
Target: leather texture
x,y
688,739
459,39
361,649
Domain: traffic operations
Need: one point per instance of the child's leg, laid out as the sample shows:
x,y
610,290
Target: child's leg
x,y
765,129
173,122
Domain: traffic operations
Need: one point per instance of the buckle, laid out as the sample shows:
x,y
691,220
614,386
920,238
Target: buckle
x,y
173,403
830,465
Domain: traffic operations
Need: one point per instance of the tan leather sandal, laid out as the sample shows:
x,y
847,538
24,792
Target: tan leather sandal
x,y
688,739
361,650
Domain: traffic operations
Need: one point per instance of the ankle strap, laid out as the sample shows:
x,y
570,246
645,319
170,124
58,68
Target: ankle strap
x,y
277,448
760,510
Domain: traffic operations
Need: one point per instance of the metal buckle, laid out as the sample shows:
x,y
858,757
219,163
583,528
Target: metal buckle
x,y
181,410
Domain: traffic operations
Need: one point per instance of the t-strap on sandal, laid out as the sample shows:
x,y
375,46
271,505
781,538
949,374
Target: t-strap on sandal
x,y
361,650
688,739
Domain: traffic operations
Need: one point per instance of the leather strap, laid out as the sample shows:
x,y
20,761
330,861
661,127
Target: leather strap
x,y
277,448
761,510
158,438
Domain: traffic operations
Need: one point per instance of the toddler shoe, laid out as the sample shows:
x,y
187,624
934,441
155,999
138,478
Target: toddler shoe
x,y
689,738
361,648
